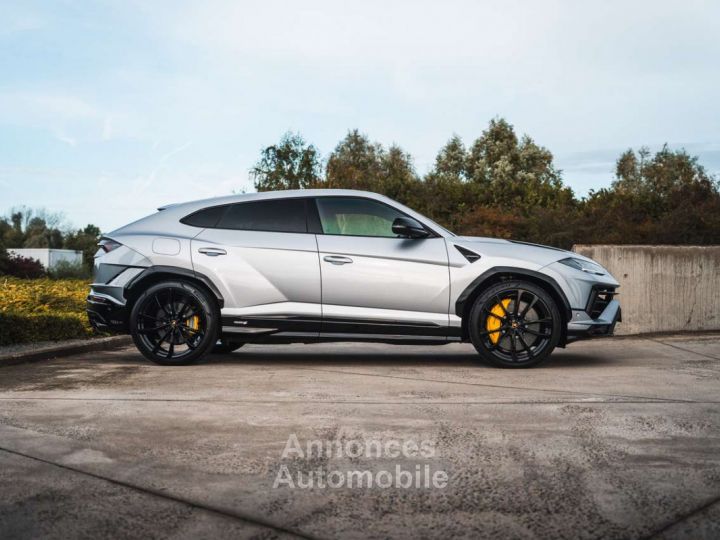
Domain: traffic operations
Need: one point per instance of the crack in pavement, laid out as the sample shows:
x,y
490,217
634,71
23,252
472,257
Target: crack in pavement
x,y
163,495
683,349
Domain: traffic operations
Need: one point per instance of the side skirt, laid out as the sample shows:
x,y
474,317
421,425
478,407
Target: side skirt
x,y
289,329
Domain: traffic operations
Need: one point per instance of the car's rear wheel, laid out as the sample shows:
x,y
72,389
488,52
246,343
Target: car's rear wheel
x,y
515,324
174,323
224,346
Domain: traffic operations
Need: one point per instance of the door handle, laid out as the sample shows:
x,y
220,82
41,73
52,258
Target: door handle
x,y
337,259
212,252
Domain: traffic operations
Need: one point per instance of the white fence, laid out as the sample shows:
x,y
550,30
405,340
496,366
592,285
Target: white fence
x,y
49,258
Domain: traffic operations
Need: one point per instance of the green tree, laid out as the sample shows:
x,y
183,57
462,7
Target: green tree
x,y
515,174
452,159
84,240
667,198
13,235
291,164
398,179
356,163
33,229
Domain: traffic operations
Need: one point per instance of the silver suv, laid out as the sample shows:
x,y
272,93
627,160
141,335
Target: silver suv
x,y
337,265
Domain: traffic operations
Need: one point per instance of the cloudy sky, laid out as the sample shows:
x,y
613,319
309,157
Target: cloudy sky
x,y
110,109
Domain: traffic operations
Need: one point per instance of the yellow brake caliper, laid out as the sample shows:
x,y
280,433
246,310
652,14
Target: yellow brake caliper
x,y
194,323
493,323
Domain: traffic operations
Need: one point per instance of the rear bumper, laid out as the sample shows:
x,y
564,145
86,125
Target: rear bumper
x,y
584,327
106,314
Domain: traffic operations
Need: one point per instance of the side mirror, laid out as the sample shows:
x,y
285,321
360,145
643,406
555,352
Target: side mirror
x,y
409,228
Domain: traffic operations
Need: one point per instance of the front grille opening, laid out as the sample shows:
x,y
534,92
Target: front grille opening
x,y
599,299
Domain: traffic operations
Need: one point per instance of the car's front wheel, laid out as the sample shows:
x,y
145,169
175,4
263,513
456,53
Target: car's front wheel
x,y
174,323
515,324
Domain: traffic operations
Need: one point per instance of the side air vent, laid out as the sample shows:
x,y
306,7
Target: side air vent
x,y
471,256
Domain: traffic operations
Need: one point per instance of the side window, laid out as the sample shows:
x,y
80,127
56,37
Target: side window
x,y
207,217
275,215
356,217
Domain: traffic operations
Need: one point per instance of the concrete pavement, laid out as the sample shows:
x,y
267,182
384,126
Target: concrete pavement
x,y
611,438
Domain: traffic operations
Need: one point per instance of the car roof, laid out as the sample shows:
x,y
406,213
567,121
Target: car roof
x,y
170,214
280,194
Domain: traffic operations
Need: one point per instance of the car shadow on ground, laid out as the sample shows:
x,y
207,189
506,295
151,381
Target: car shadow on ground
x,y
468,359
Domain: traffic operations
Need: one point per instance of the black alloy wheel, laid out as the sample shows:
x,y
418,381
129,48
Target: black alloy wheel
x,y
174,323
515,324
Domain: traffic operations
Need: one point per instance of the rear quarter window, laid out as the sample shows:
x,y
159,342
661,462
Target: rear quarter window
x,y
205,218
274,215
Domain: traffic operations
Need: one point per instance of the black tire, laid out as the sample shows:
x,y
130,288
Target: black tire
x,y
225,347
515,334
174,323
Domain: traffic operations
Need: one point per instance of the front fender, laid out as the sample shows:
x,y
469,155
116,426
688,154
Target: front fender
x,y
491,275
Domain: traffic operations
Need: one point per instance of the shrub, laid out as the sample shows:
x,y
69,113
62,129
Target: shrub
x,y
42,310
18,328
24,267
68,270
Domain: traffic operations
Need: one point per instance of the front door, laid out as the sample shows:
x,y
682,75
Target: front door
x,y
374,282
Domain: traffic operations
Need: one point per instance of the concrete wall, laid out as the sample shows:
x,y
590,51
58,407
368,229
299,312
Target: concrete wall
x,y
663,288
50,257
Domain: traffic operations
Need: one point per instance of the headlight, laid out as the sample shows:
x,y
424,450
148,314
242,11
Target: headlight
x,y
585,266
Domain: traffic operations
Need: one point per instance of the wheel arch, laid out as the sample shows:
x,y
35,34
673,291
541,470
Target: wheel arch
x,y
157,274
497,274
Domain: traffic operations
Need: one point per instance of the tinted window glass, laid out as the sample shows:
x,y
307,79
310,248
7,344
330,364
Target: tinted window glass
x,y
207,217
279,215
356,217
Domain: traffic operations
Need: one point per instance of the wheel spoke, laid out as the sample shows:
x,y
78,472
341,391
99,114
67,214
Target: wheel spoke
x,y
517,303
157,299
497,298
170,303
191,331
160,341
189,315
498,317
487,332
525,346
541,321
150,317
181,312
188,339
513,349
151,330
495,345
171,349
534,333
528,306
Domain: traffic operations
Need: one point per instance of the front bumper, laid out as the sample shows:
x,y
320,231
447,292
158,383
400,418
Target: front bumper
x,y
583,327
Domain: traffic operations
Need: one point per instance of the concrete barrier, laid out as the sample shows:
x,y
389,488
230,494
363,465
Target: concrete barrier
x,y
663,288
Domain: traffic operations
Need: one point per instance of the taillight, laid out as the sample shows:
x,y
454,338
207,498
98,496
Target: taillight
x,y
108,245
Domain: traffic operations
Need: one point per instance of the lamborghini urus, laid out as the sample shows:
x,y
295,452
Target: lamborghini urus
x,y
337,265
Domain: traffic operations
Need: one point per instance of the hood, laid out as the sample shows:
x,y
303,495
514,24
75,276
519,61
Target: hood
x,y
536,254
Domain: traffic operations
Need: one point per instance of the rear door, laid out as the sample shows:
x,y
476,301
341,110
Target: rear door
x,y
265,263
374,282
